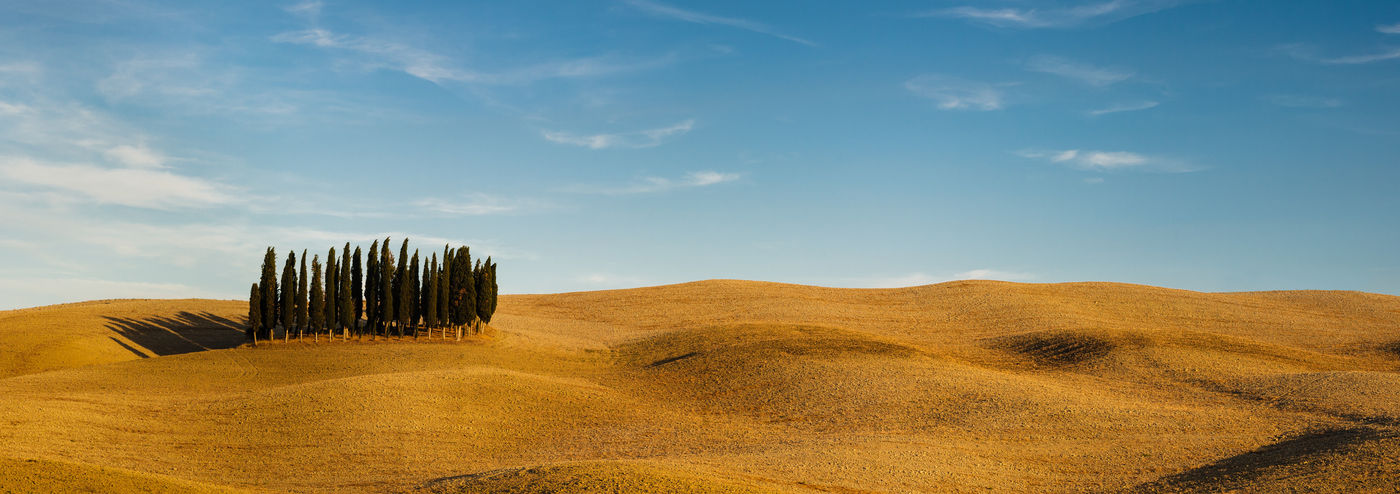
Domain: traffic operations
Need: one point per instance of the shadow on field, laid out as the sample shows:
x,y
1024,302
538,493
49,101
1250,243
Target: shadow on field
x,y
1237,472
183,332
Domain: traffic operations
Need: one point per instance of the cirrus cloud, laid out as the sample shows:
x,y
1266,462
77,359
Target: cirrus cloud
x,y
1109,160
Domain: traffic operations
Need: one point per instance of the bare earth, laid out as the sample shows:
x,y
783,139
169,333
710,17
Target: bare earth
x,y
723,386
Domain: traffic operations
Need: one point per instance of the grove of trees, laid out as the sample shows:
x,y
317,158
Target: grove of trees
x,y
381,296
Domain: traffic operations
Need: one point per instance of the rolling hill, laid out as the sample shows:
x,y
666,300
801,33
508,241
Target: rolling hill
x,y
724,386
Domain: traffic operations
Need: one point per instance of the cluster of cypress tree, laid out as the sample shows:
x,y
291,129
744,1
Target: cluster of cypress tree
x,y
384,295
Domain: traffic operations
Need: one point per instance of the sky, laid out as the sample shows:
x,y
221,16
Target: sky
x,y
154,149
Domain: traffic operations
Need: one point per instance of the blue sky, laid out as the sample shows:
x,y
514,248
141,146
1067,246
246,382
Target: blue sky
x,y
152,149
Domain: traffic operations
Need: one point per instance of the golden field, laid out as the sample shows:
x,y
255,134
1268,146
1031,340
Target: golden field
x,y
723,386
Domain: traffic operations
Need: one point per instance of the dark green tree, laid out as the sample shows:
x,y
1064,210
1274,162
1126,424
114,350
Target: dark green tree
x,y
332,286
414,295
463,289
445,289
347,306
495,290
268,299
483,289
386,282
254,313
430,299
404,308
372,287
357,291
288,309
301,296
317,308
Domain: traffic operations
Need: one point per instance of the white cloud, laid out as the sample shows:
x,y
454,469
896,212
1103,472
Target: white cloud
x,y
670,12
122,186
19,73
475,205
1109,160
1390,54
1309,53
20,291
901,281
609,280
650,185
309,8
380,53
993,274
1054,17
1088,74
1124,107
920,278
629,140
951,93
136,156
1302,101
1389,29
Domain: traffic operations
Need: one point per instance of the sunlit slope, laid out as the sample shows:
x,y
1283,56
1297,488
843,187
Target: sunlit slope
x,y
104,331
49,476
1329,321
730,386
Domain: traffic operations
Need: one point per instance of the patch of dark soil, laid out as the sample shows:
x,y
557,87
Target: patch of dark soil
x,y
1060,349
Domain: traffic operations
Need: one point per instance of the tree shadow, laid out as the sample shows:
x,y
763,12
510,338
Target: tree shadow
x,y
1237,472
183,332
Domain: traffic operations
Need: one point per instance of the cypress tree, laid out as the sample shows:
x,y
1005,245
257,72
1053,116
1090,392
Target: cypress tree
x,y
317,309
289,294
483,289
301,296
386,280
495,290
357,290
414,295
332,286
372,286
463,289
401,287
254,313
445,290
268,299
430,300
347,306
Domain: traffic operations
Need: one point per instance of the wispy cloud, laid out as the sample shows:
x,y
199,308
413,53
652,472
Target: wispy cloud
x,y
473,205
310,8
1302,101
651,185
381,53
1124,107
951,93
1082,72
676,13
30,288
1054,17
1309,53
627,140
920,278
1109,160
138,156
995,274
142,188
1389,28
1390,54
610,280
